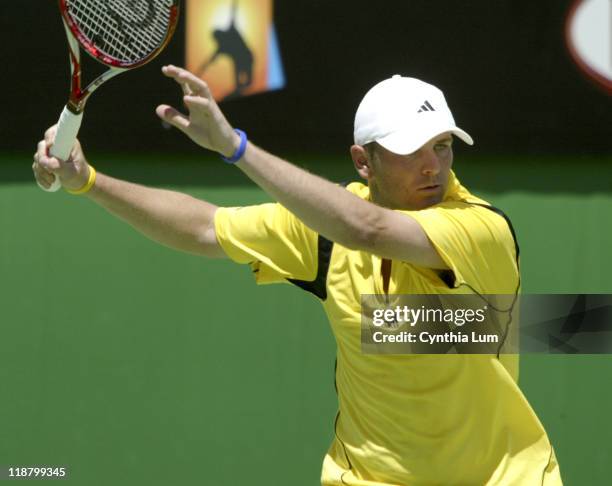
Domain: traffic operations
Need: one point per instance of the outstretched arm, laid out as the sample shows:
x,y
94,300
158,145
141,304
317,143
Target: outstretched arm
x,y
326,208
173,219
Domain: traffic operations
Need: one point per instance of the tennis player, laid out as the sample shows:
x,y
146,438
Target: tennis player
x,y
413,229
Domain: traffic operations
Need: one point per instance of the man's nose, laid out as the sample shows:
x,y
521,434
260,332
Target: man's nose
x,y
431,163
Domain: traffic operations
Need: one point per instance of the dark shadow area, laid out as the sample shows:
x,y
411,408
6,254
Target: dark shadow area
x,y
503,67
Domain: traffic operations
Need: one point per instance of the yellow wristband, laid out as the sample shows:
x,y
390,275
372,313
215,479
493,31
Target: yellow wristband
x,y
88,185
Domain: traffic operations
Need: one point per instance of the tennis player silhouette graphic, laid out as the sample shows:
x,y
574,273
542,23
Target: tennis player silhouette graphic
x,y
231,43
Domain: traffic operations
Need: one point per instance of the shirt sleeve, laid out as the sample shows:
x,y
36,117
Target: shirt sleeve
x,y
476,244
271,239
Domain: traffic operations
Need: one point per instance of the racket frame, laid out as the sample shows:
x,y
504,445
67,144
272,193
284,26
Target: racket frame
x,y
79,96
77,40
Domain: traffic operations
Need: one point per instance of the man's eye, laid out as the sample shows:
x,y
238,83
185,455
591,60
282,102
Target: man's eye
x,y
441,147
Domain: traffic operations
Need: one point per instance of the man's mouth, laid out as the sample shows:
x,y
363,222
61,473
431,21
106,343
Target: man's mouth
x,y
429,187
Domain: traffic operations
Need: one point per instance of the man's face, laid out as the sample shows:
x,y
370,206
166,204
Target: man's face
x,y
415,181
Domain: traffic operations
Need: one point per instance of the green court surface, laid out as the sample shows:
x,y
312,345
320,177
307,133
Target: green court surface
x,y
135,365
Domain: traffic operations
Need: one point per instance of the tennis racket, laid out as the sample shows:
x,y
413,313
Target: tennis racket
x,y
121,34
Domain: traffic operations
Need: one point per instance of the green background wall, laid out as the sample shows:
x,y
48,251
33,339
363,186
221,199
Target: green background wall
x,y
133,364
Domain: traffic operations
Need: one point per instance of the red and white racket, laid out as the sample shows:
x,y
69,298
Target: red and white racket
x,y
121,34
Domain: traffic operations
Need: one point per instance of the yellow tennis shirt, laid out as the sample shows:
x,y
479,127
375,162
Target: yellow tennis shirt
x,y
409,419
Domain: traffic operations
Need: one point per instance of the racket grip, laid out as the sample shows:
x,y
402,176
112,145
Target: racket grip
x,y
67,131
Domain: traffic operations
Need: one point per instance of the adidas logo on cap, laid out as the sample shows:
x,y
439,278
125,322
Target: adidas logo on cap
x,y
426,107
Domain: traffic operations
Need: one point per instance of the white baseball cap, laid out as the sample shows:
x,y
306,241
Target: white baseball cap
x,y
402,114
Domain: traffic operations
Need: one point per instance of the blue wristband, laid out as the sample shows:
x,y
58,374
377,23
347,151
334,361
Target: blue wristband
x,y
241,149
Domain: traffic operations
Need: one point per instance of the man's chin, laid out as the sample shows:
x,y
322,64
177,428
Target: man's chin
x,y
427,200
417,200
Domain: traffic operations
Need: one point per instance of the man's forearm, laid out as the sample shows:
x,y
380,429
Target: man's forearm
x,y
323,206
173,219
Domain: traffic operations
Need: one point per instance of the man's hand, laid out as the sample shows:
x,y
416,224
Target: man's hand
x,y
73,173
205,124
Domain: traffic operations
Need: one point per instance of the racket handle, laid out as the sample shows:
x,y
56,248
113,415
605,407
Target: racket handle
x,y
67,131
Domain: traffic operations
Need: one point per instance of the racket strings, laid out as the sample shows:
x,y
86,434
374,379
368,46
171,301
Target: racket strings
x,y
125,30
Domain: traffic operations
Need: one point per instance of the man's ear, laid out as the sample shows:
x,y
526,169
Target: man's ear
x,y
362,162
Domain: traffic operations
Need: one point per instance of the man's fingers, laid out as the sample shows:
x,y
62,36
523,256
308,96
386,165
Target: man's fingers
x,y
198,87
186,89
196,102
172,116
42,176
50,164
50,136
191,84
41,149
42,159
